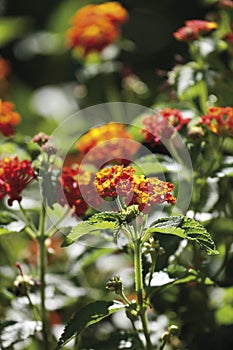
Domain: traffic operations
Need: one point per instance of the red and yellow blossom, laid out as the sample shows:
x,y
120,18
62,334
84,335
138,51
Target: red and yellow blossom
x,y
193,29
94,27
4,68
92,34
73,183
15,175
114,143
8,118
162,125
134,189
219,120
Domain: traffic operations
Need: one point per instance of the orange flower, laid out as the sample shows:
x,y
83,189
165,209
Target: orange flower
x,y
92,34
113,11
219,120
132,188
8,118
162,125
110,141
193,29
96,26
4,68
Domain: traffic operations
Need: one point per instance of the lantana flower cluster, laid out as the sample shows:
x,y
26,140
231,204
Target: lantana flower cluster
x,y
73,183
193,29
219,120
96,26
162,125
15,175
8,118
132,188
112,141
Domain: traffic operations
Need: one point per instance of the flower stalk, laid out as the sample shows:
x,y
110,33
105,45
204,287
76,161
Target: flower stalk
x,y
42,262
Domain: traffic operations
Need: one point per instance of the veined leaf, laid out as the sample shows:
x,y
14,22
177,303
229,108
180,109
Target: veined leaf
x,y
84,228
184,227
102,221
90,314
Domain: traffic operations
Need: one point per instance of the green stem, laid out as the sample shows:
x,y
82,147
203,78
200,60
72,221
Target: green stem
x,y
139,290
42,247
27,219
54,228
35,311
203,96
152,267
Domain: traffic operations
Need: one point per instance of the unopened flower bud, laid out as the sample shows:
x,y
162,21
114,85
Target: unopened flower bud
x,y
49,148
115,285
41,139
22,284
196,132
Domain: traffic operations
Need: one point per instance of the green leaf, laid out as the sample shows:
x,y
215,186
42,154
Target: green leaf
x,y
6,217
9,223
90,314
166,226
102,221
14,332
84,228
184,227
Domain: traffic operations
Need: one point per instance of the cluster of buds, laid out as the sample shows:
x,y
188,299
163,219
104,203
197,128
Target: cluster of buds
x,y
115,285
153,247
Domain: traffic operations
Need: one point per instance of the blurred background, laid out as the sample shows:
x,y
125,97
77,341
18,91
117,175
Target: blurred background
x,y
47,83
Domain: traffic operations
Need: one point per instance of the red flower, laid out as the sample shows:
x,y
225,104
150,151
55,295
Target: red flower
x,y
134,189
193,29
162,125
8,118
73,183
219,120
15,175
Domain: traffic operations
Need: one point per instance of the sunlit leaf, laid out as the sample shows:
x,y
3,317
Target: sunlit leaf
x,y
85,227
184,227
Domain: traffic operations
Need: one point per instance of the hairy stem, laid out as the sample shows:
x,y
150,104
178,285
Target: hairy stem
x,y
42,248
139,290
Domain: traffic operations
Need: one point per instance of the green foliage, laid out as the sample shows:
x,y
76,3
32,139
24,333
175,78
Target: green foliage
x,y
184,227
11,28
90,314
9,223
101,221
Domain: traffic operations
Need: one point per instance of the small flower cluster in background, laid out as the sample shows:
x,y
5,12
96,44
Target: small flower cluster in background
x,y
94,27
